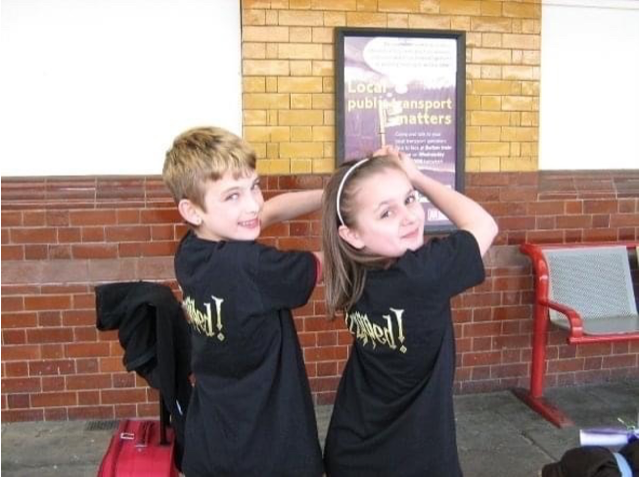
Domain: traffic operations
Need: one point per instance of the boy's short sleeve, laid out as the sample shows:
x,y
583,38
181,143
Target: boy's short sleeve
x,y
455,262
285,279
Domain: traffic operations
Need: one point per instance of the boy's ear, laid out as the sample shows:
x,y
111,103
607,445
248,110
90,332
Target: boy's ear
x,y
189,212
351,237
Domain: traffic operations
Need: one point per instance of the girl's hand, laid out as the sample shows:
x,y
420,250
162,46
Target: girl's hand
x,y
404,159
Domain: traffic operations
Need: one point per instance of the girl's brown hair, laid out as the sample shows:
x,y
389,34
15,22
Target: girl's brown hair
x,y
345,266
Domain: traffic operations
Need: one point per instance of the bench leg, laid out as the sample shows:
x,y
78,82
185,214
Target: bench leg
x,y
534,397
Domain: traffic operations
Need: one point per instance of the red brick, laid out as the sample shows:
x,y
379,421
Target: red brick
x,y
624,206
21,385
546,208
594,362
480,359
162,232
58,218
56,414
128,233
95,251
35,252
509,370
158,249
51,367
33,235
15,369
111,365
319,384
33,218
328,369
87,350
92,217
619,361
124,380
566,365
87,366
574,221
160,216
545,236
128,216
573,207
22,415
91,412
12,303
70,235
624,220
299,243
516,223
85,333
600,206
474,330
86,398
20,352
52,383
600,235
327,338
11,218
12,252
52,351
595,349
49,319
47,302
327,353
87,381
118,396
482,344
60,252
86,301
92,234
14,337
18,401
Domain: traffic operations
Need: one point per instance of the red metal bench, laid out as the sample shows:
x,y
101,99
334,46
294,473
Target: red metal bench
x,y
586,289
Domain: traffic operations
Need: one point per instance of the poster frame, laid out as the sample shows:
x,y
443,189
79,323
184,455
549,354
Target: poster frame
x,y
343,33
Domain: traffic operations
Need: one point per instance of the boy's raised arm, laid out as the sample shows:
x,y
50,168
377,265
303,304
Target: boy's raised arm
x,y
290,205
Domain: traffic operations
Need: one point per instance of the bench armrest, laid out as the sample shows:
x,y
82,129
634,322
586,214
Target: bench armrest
x,y
575,320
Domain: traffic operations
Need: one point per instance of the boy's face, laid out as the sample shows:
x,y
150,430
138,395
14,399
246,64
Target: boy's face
x,y
389,219
233,208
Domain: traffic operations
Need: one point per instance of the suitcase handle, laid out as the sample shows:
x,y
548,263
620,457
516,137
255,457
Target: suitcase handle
x,y
143,435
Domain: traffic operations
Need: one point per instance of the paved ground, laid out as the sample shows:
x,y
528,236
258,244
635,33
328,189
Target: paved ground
x,y
497,434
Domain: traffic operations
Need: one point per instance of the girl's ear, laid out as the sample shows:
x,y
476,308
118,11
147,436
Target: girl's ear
x,y
190,212
351,237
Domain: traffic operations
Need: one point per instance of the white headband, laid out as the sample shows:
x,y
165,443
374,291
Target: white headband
x,y
342,182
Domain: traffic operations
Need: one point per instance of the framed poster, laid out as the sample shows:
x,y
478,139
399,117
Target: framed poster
x,y
404,88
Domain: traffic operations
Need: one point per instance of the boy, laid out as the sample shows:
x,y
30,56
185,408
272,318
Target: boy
x,y
251,411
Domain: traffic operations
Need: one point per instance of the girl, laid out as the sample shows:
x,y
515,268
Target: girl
x,y
393,413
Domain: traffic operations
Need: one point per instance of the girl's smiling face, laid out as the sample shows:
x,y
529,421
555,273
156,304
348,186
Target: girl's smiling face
x,y
389,220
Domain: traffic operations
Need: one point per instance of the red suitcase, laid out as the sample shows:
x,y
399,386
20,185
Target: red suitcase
x,y
137,450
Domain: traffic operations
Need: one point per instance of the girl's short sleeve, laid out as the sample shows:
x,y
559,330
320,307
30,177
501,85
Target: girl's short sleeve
x,y
453,263
285,279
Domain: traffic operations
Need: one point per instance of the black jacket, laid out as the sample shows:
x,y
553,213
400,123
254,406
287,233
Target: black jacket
x,y
156,339
593,461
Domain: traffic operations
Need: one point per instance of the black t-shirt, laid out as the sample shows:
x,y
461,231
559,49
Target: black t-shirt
x,y
251,412
393,413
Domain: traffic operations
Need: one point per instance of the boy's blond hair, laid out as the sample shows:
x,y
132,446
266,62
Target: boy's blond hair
x,y
204,154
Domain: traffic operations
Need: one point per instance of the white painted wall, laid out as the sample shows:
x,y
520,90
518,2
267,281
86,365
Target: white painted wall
x,y
93,87
589,101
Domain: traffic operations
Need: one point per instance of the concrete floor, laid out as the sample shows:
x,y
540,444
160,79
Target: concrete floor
x,y
497,434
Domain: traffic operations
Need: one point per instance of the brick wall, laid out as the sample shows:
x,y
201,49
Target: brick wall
x,y
61,237
288,76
